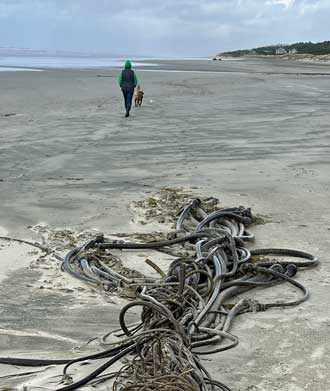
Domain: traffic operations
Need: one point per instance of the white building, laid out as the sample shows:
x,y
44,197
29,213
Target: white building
x,y
280,51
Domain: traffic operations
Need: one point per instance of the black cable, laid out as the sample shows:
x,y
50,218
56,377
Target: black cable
x,y
98,371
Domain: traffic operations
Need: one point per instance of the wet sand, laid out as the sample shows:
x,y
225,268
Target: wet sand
x,y
251,132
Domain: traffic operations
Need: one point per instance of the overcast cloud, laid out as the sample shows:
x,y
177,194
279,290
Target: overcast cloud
x,y
160,28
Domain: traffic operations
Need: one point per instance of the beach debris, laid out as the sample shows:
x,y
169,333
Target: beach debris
x,y
187,311
165,205
260,219
34,244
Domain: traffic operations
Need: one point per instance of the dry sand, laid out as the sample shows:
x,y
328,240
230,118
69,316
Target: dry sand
x,y
251,132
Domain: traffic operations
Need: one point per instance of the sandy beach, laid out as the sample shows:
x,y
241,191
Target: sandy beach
x,y
251,132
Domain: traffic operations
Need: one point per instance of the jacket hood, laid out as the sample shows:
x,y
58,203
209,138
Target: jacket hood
x,y
128,64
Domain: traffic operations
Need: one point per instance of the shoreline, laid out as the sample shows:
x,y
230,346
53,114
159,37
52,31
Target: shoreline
x,y
324,58
247,65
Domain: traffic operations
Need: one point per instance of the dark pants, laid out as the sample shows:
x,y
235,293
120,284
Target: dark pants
x,y
128,97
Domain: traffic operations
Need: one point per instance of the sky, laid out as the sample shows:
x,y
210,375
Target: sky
x,y
177,28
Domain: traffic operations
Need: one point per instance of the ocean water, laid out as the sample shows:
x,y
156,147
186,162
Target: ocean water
x,y
14,61
13,69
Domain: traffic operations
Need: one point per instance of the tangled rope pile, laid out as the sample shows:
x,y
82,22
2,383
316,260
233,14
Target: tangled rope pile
x,y
185,312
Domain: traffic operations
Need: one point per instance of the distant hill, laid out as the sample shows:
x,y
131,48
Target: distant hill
x,y
319,48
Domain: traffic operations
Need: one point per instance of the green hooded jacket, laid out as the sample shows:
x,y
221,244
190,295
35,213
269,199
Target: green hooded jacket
x,y
128,65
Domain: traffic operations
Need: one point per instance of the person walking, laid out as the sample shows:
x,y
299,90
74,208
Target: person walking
x,y
127,81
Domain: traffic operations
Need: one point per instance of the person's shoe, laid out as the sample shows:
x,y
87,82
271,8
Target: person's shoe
x,y
127,114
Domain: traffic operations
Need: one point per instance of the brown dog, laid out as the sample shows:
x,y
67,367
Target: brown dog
x,y
138,96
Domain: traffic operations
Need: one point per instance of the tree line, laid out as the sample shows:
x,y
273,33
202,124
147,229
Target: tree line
x,y
317,48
